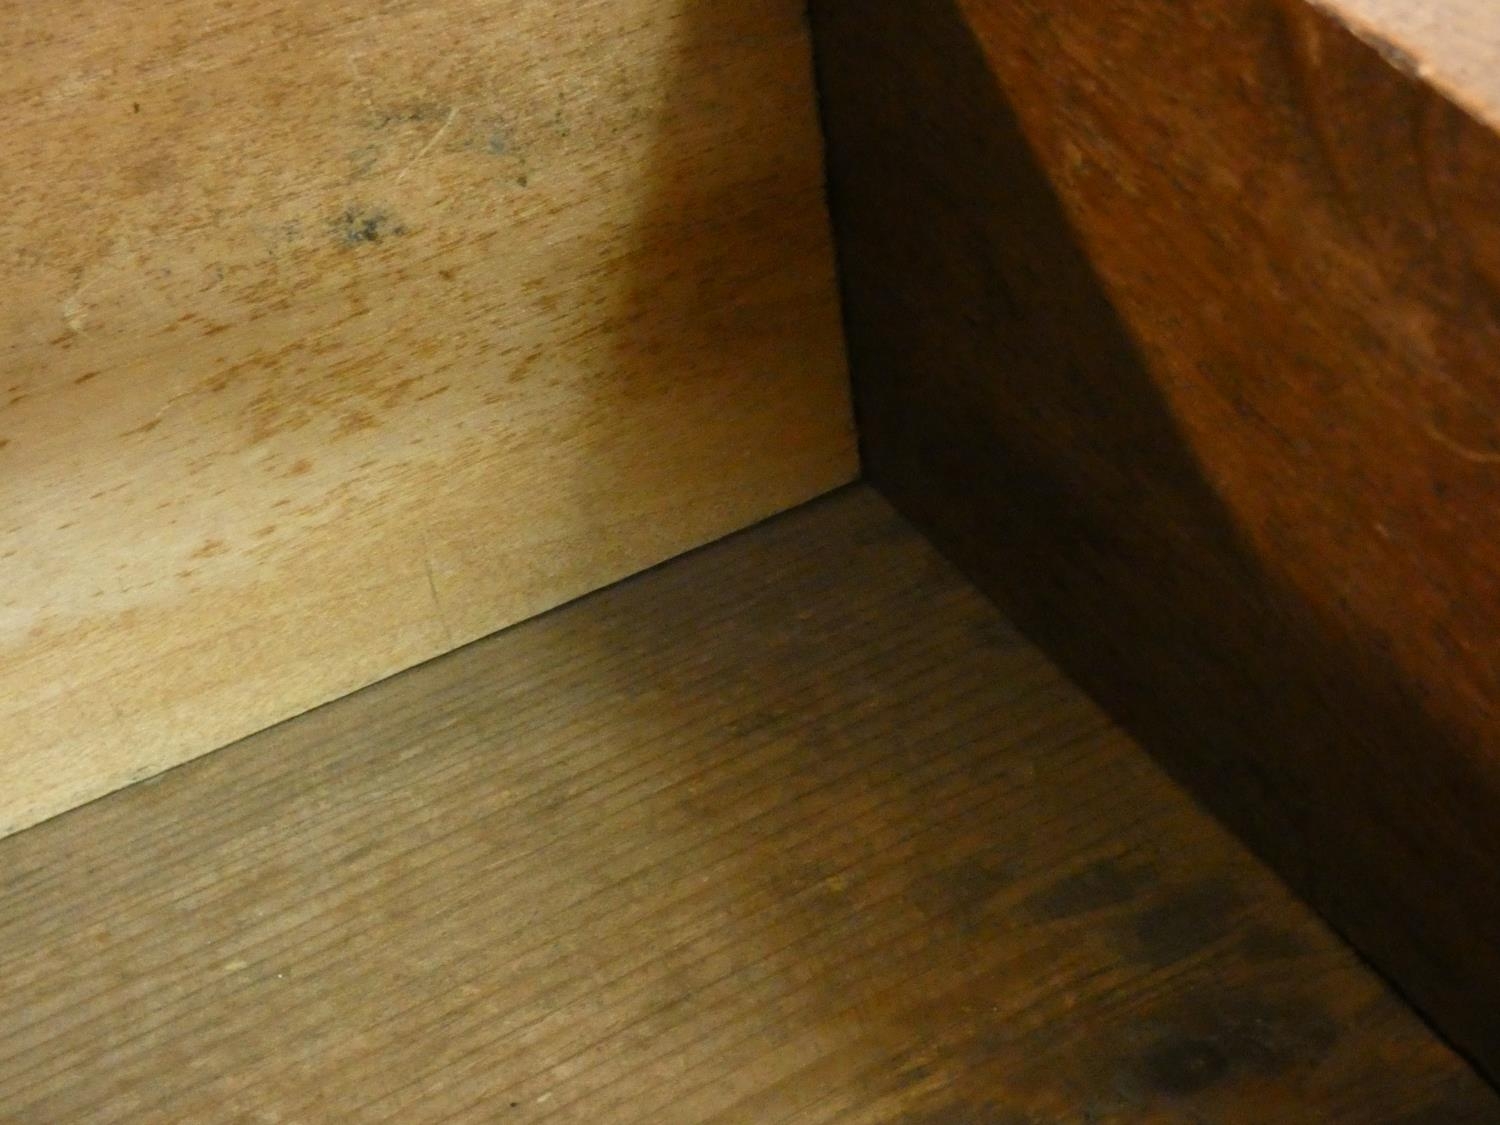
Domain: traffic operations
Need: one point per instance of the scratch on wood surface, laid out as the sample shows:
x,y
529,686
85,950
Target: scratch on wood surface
x,y
171,402
437,602
1433,430
177,395
74,313
123,261
431,142
1458,448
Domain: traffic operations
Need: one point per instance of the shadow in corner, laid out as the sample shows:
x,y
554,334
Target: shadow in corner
x,y
728,265
725,331
1005,408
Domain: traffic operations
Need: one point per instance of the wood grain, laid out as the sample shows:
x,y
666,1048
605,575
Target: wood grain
x,y
1191,353
794,829
338,334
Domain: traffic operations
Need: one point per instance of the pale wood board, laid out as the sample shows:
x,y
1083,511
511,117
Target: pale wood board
x,y
795,829
338,334
1452,44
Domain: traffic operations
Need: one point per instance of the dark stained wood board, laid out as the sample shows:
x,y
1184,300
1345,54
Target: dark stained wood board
x,y
1178,326
796,828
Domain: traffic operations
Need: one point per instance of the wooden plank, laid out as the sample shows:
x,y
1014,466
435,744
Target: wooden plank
x,y
336,335
1177,326
795,829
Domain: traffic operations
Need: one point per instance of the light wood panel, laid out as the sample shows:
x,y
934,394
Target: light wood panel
x,y
1452,44
796,829
338,334
1179,325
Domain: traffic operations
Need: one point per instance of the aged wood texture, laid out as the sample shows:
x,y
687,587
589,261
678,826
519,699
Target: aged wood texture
x,y
338,334
1178,325
794,829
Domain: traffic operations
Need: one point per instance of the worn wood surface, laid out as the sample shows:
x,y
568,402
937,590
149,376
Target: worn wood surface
x,y
794,829
338,334
1179,326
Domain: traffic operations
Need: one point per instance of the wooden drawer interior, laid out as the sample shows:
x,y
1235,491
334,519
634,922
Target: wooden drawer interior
x,y
924,561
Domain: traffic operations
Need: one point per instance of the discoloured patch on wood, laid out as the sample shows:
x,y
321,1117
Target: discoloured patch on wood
x,y
1104,883
1186,921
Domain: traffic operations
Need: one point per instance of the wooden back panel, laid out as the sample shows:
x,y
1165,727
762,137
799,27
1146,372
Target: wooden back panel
x,y
335,335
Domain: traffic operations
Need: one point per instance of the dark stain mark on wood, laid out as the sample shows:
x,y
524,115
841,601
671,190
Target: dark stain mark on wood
x,y
961,895
1097,887
152,173
412,113
1188,921
1209,1038
358,225
1181,1066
